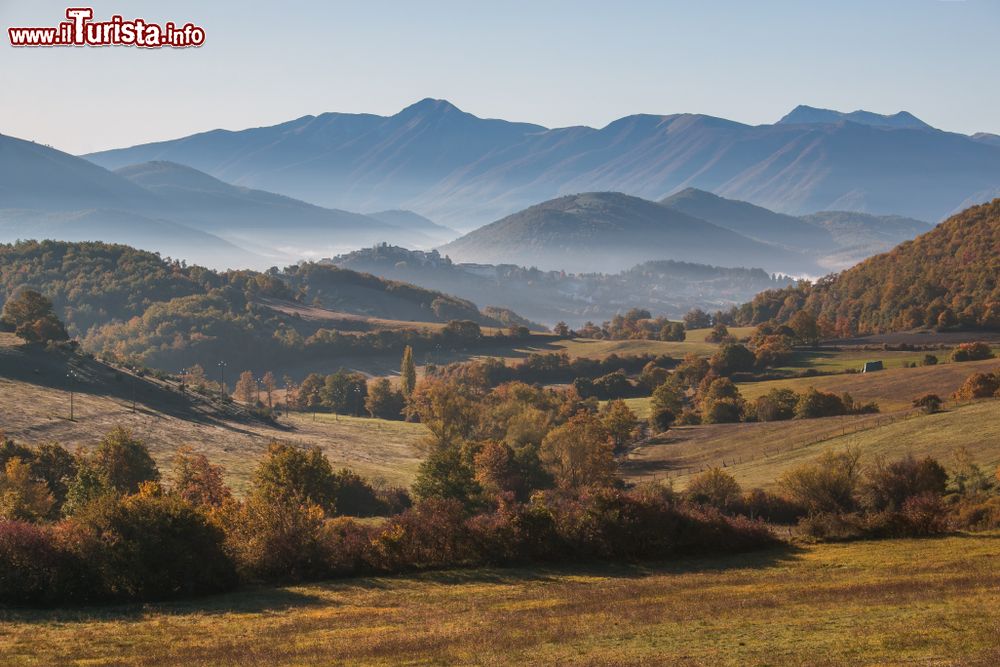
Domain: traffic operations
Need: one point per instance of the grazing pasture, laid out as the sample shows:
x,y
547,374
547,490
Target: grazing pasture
x,y
898,602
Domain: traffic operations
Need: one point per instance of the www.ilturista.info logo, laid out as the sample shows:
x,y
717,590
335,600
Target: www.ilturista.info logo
x,y
81,30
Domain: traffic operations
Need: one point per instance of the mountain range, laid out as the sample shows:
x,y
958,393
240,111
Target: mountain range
x,y
181,212
465,171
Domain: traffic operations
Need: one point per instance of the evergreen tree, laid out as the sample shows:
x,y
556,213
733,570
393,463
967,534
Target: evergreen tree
x,y
408,373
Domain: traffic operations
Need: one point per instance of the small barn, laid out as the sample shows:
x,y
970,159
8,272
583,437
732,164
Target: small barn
x,y
871,366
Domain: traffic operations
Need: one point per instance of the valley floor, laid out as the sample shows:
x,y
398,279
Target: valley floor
x,y
899,602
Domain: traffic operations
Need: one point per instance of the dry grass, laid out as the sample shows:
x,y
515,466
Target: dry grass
x,y
903,602
35,409
757,453
893,388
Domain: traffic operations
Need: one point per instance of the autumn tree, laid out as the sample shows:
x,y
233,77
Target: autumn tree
x,y
22,496
289,474
198,481
383,401
246,388
697,319
561,329
497,471
579,453
620,422
30,315
269,384
803,323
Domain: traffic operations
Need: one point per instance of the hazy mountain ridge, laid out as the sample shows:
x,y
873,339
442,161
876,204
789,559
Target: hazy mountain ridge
x,y
665,287
610,231
463,171
179,211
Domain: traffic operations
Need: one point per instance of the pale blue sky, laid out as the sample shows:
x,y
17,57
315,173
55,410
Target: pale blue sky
x,y
557,63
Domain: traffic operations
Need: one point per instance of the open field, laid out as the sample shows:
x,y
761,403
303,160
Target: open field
x,y
892,389
36,401
757,453
899,602
599,349
698,335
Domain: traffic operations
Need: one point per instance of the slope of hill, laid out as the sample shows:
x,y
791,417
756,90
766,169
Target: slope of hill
x,y
256,217
752,221
136,306
946,277
805,115
38,177
610,231
860,235
408,220
465,171
34,385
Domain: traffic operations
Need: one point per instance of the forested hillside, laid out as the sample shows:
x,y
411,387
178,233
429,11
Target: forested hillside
x,y
946,278
136,306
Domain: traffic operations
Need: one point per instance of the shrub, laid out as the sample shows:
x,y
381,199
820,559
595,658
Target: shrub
x,y
759,504
972,352
887,486
714,487
814,403
979,385
929,403
149,546
36,568
826,486
776,405
274,539
432,534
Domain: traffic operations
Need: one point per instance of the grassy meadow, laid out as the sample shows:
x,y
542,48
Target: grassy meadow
x,y
900,602
756,454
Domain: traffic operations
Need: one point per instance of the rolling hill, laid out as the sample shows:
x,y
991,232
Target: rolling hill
x,y
752,221
134,305
946,278
465,171
610,231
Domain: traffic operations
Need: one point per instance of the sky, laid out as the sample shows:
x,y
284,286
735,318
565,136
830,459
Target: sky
x,y
551,62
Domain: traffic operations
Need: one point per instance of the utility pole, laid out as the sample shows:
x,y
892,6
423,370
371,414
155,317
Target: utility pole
x,y
133,393
71,376
222,370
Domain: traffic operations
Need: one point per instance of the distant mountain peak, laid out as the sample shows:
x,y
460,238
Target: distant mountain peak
x,y
807,115
430,106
